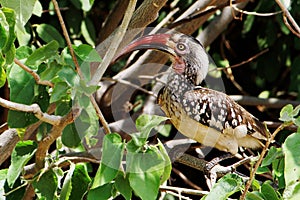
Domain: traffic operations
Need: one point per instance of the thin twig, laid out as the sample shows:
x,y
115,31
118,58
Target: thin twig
x,y
287,15
289,26
274,125
180,190
67,38
100,115
254,13
262,155
33,74
268,102
185,179
114,44
33,108
125,82
243,62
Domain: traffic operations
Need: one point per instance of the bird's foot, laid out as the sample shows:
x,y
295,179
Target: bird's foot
x,y
210,172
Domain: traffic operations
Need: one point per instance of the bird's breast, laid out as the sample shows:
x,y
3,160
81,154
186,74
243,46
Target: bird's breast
x,y
202,133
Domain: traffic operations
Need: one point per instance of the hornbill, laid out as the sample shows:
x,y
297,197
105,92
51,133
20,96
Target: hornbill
x,y
210,117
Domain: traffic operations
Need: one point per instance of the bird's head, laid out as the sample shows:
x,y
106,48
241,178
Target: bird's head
x,y
188,55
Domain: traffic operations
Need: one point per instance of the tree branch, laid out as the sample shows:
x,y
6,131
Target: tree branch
x,y
32,73
218,25
287,15
54,133
67,38
119,34
100,115
8,140
269,102
34,108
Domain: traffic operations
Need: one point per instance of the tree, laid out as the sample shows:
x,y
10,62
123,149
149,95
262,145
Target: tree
x,y
57,83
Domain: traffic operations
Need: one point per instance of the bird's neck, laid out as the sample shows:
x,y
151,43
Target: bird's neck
x,y
178,83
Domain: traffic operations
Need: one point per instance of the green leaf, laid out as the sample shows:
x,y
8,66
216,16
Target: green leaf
x,y
87,53
286,113
22,153
292,164
296,110
80,182
83,88
264,94
10,54
113,149
292,192
248,24
70,136
145,170
273,153
2,60
42,54
23,52
262,170
145,185
87,124
254,196
38,9
67,185
41,97
103,192
88,31
11,20
164,129
50,73
268,191
2,77
144,124
3,175
123,186
168,165
24,90
3,30
48,33
60,92
46,186
278,167
23,37
213,71
225,187
86,5
21,85
68,75
23,10
17,192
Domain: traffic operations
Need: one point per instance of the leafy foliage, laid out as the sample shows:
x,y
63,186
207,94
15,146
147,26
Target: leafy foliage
x,y
147,166
31,34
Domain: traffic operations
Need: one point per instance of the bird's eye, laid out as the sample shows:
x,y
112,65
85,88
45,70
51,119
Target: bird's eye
x,y
181,47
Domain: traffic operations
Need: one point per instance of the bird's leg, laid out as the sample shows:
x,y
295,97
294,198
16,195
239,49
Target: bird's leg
x,y
216,161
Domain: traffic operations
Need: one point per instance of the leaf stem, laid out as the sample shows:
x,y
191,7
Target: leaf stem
x,y
67,37
263,153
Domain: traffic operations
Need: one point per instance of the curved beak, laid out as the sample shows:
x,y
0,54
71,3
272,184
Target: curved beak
x,y
160,42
